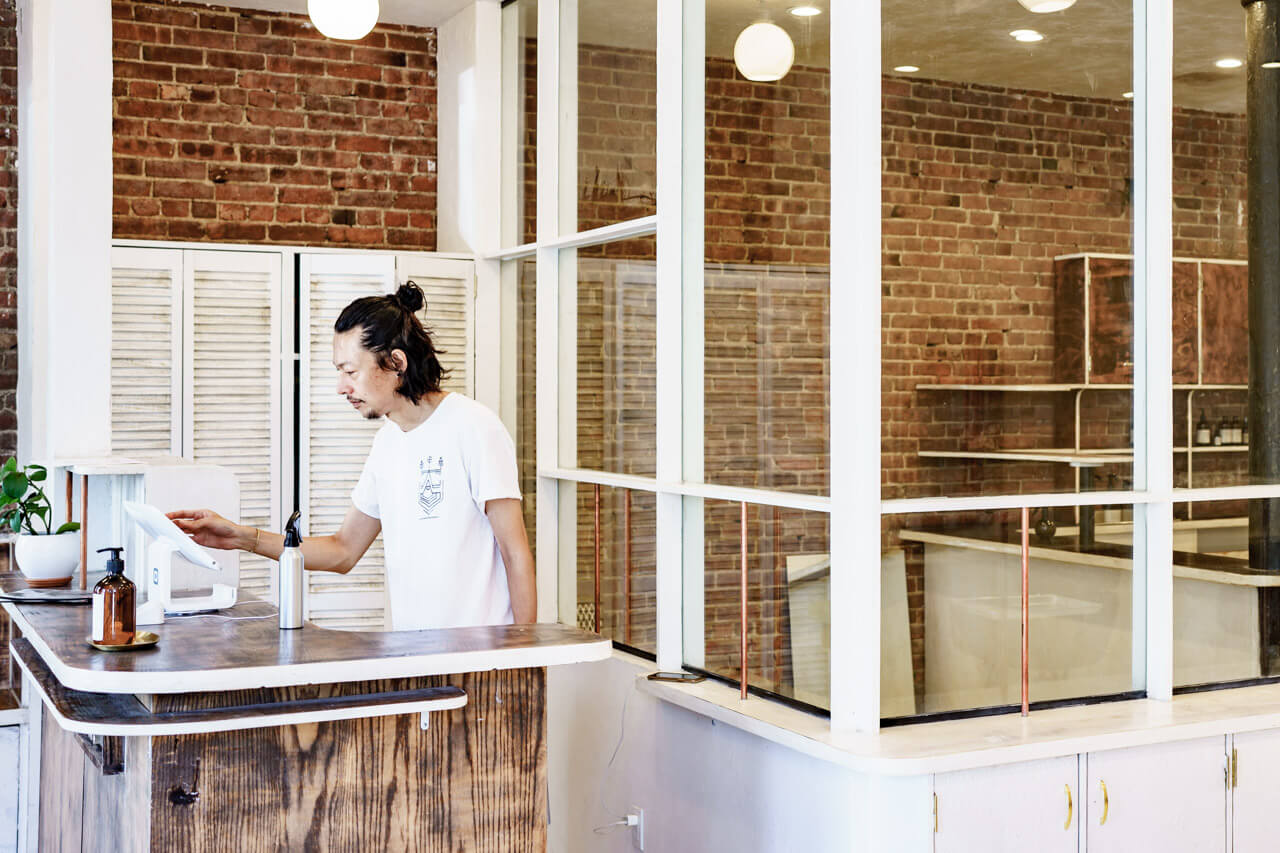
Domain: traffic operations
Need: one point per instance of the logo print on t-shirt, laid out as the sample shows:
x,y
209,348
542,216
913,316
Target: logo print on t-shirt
x,y
430,485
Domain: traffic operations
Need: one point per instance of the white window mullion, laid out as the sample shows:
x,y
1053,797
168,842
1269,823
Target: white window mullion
x,y
564,190
679,238
556,600
1153,323
855,358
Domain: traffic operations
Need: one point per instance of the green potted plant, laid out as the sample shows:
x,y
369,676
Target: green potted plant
x,y
47,557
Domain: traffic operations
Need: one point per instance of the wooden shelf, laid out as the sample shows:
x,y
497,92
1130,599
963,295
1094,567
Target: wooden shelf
x,y
1067,455
1058,387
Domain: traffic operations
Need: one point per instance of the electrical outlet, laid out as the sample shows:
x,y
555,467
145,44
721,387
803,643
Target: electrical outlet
x,y
637,829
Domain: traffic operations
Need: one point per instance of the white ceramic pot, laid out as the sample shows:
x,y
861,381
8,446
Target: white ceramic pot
x,y
49,556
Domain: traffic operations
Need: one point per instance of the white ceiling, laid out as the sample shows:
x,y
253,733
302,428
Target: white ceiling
x,y
1087,49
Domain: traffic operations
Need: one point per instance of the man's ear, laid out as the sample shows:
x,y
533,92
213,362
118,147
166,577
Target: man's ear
x,y
400,361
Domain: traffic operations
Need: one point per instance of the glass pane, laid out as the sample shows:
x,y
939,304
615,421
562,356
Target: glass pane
x,y
788,598
523,271
1211,317
616,340
767,254
625,595
951,608
1007,220
520,121
1219,594
612,81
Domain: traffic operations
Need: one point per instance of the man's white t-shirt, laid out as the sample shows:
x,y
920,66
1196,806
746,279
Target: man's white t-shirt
x,y
429,487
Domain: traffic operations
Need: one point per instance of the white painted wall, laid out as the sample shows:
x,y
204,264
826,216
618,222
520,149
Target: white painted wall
x,y
703,786
469,173
8,790
64,227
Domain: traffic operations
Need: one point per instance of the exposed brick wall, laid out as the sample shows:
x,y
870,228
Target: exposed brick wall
x,y
8,228
249,126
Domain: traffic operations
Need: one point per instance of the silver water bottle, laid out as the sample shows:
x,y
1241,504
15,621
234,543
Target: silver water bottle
x,y
290,583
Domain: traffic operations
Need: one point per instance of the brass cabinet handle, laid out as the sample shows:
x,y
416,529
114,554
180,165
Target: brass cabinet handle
x,y
1070,807
1106,802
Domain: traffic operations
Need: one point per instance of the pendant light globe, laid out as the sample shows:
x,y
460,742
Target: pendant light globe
x,y
764,52
348,20
1044,7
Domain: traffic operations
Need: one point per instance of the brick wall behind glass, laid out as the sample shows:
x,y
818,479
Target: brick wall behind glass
x,y
983,187
248,126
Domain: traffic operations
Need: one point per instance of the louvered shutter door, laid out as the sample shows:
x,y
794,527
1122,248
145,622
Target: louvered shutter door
x,y
233,400
448,285
335,439
146,347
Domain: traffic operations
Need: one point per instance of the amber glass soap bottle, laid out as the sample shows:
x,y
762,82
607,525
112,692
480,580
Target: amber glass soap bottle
x,y
114,603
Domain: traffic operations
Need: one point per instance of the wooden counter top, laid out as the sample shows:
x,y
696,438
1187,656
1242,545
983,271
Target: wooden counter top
x,y
243,648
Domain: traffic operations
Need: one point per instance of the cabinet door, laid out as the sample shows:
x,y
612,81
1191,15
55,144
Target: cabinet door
x,y
1166,797
1255,791
1017,807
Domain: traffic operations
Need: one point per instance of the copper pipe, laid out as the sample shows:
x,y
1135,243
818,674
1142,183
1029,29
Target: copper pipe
x,y
596,599
1026,613
743,676
626,578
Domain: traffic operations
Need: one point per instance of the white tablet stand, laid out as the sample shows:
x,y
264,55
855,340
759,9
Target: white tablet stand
x,y
170,540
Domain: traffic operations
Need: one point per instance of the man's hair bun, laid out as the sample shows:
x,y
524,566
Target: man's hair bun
x,y
410,297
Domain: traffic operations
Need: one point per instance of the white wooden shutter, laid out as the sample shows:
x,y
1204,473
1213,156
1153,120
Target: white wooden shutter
x,y
233,389
146,349
335,439
449,313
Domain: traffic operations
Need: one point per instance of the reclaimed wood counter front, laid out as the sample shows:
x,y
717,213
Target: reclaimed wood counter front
x,y
223,762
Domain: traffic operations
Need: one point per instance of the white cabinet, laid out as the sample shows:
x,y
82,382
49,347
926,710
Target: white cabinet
x,y
1014,807
1255,791
1166,797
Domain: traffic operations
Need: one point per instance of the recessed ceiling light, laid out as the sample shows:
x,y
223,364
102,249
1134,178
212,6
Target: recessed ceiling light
x,y
1128,95
805,11
907,69
1041,7
1272,64
1026,35
1229,63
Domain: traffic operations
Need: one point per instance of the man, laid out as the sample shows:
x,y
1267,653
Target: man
x,y
440,483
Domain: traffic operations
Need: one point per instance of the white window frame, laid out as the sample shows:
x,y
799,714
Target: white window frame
x,y
855,509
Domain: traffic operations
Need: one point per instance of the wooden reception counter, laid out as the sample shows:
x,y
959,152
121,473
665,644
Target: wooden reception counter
x,y
231,734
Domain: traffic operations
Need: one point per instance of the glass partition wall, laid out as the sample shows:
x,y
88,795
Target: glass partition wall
x,y
977,251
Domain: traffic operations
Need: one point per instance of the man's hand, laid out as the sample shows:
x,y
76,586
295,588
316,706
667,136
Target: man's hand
x,y
210,529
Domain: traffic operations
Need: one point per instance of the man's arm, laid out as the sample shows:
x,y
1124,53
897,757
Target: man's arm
x,y
508,528
337,552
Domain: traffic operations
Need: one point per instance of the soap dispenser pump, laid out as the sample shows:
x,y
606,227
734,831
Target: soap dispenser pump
x,y
114,599
290,580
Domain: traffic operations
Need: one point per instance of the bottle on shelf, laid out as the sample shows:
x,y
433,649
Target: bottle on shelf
x,y
1220,434
1204,434
1244,432
1237,431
